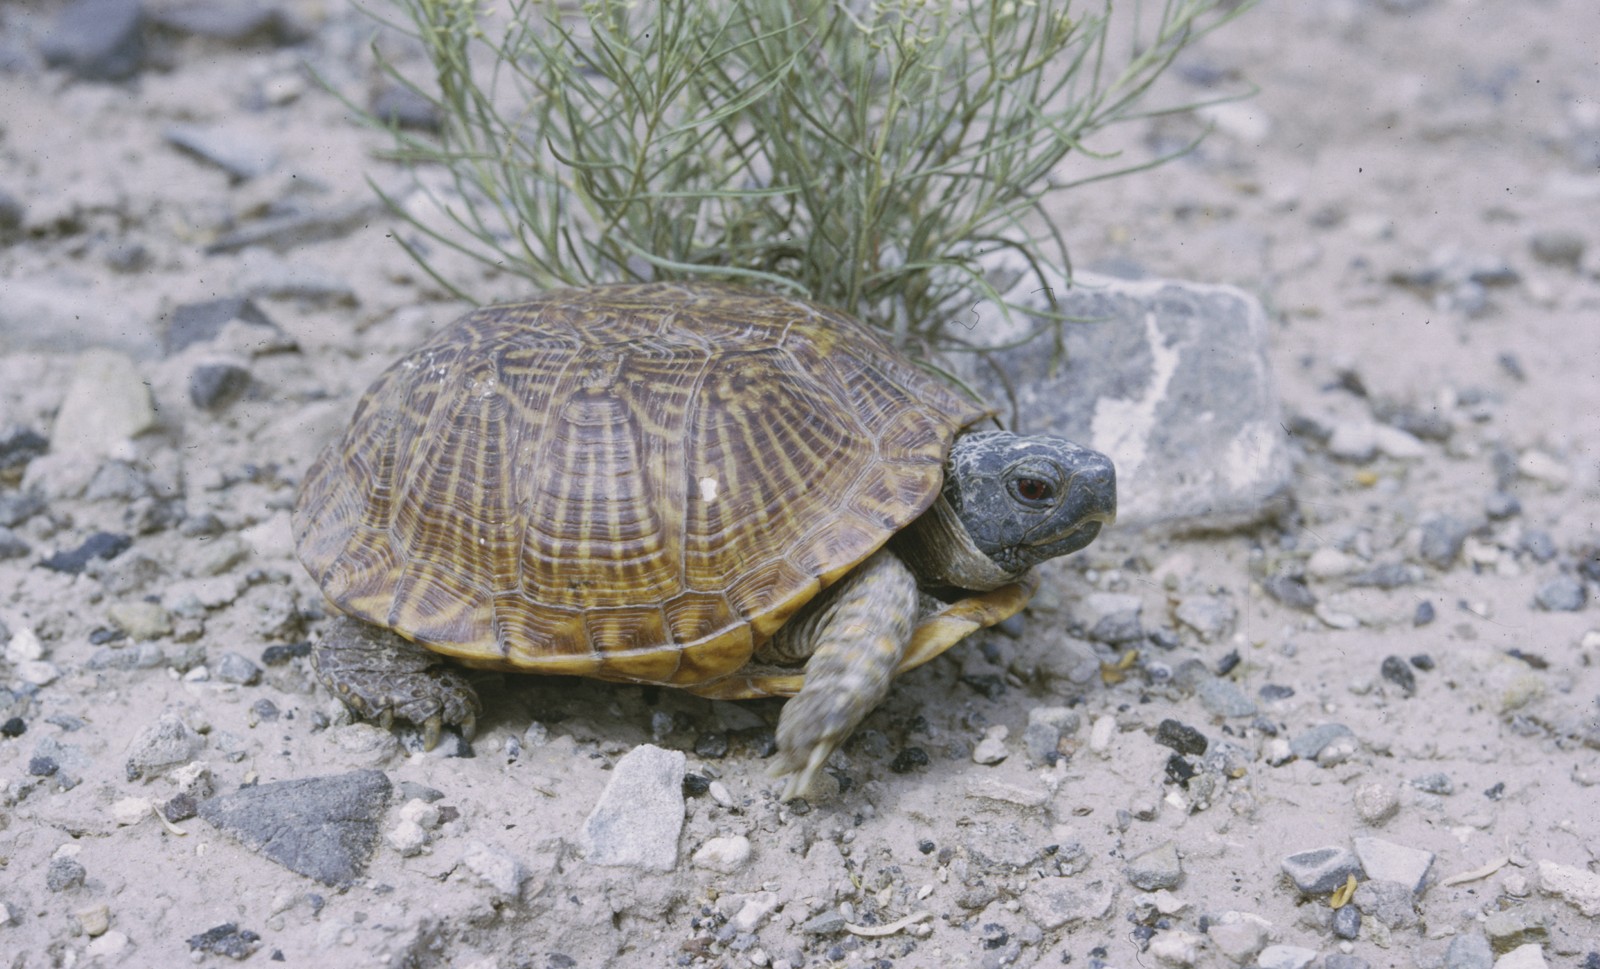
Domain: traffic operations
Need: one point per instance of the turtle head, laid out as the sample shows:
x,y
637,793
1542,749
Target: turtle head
x,y
1023,500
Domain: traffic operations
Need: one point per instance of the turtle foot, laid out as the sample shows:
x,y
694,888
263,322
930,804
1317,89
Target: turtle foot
x,y
384,677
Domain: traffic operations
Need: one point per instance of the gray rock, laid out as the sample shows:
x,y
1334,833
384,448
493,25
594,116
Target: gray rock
x,y
1210,616
96,39
829,922
1539,545
1170,379
64,874
1564,593
1558,248
1386,861
399,105
1222,698
1347,922
213,386
1442,538
18,446
205,322
1321,870
12,545
242,156
1157,868
1435,783
1470,950
1055,901
495,868
1390,903
1311,744
240,22
324,828
1339,960
107,403
1376,803
639,816
1046,727
160,747
1390,575
236,668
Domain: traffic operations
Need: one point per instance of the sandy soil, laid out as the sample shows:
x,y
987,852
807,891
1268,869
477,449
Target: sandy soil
x,y
1414,194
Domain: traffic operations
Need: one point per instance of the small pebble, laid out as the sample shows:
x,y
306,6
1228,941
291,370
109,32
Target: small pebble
x,y
1442,538
227,940
64,874
908,760
1157,868
992,748
1397,671
1320,870
1285,957
1332,739
1436,783
1425,614
1376,803
726,854
1180,737
1469,950
1564,593
238,669
1347,922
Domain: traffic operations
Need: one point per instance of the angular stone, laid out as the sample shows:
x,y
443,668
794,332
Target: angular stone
x,y
1469,950
1059,900
726,855
1157,868
160,747
1391,903
1312,744
1527,956
639,816
237,21
194,323
495,868
1171,379
1239,936
1286,957
241,155
324,828
1321,870
107,403
1579,887
1386,861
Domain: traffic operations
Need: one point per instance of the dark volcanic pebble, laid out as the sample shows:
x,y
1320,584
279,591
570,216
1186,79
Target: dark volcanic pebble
x,y
1398,672
15,727
324,828
18,446
1423,662
713,745
226,939
281,654
909,760
64,874
695,785
100,545
1180,737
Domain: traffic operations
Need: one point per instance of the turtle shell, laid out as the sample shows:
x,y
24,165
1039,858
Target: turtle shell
x,y
633,482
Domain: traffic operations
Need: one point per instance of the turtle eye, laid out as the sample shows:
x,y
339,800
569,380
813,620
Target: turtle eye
x,y
1033,489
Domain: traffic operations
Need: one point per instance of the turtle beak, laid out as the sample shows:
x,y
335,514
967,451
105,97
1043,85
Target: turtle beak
x,y
1090,504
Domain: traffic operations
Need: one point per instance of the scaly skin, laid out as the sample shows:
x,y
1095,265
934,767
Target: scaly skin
x,y
384,677
856,638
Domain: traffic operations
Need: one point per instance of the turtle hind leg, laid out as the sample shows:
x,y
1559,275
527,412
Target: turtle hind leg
x,y
856,638
383,676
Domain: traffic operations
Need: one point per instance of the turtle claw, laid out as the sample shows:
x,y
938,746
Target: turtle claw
x,y
386,718
468,727
430,731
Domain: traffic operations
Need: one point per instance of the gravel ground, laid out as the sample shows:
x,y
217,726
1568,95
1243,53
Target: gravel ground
x,y
1390,688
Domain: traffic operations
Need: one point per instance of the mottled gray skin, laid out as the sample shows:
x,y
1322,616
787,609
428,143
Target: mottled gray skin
x,y
987,487
1009,503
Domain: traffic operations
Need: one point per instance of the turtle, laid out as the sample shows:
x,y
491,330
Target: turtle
x,y
698,485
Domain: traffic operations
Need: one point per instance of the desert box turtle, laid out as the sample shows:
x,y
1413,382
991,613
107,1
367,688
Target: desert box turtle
x,y
728,491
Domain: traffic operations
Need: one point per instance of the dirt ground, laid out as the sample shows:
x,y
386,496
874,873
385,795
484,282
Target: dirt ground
x,y
1414,194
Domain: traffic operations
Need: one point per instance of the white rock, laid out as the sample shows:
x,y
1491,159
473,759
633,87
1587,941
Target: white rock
x,y
108,947
1285,957
726,855
1330,563
1176,947
420,813
24,646
754,911
1386,861
1239,936
130,810
1398,444
1354,440
494,868
639,816
106,404
407,838
1100,735
39,672
1579,887
992,748
1530,956
719,793
1544,468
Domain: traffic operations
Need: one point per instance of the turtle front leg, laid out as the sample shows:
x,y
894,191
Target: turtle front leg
x,y
382,676
855,637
